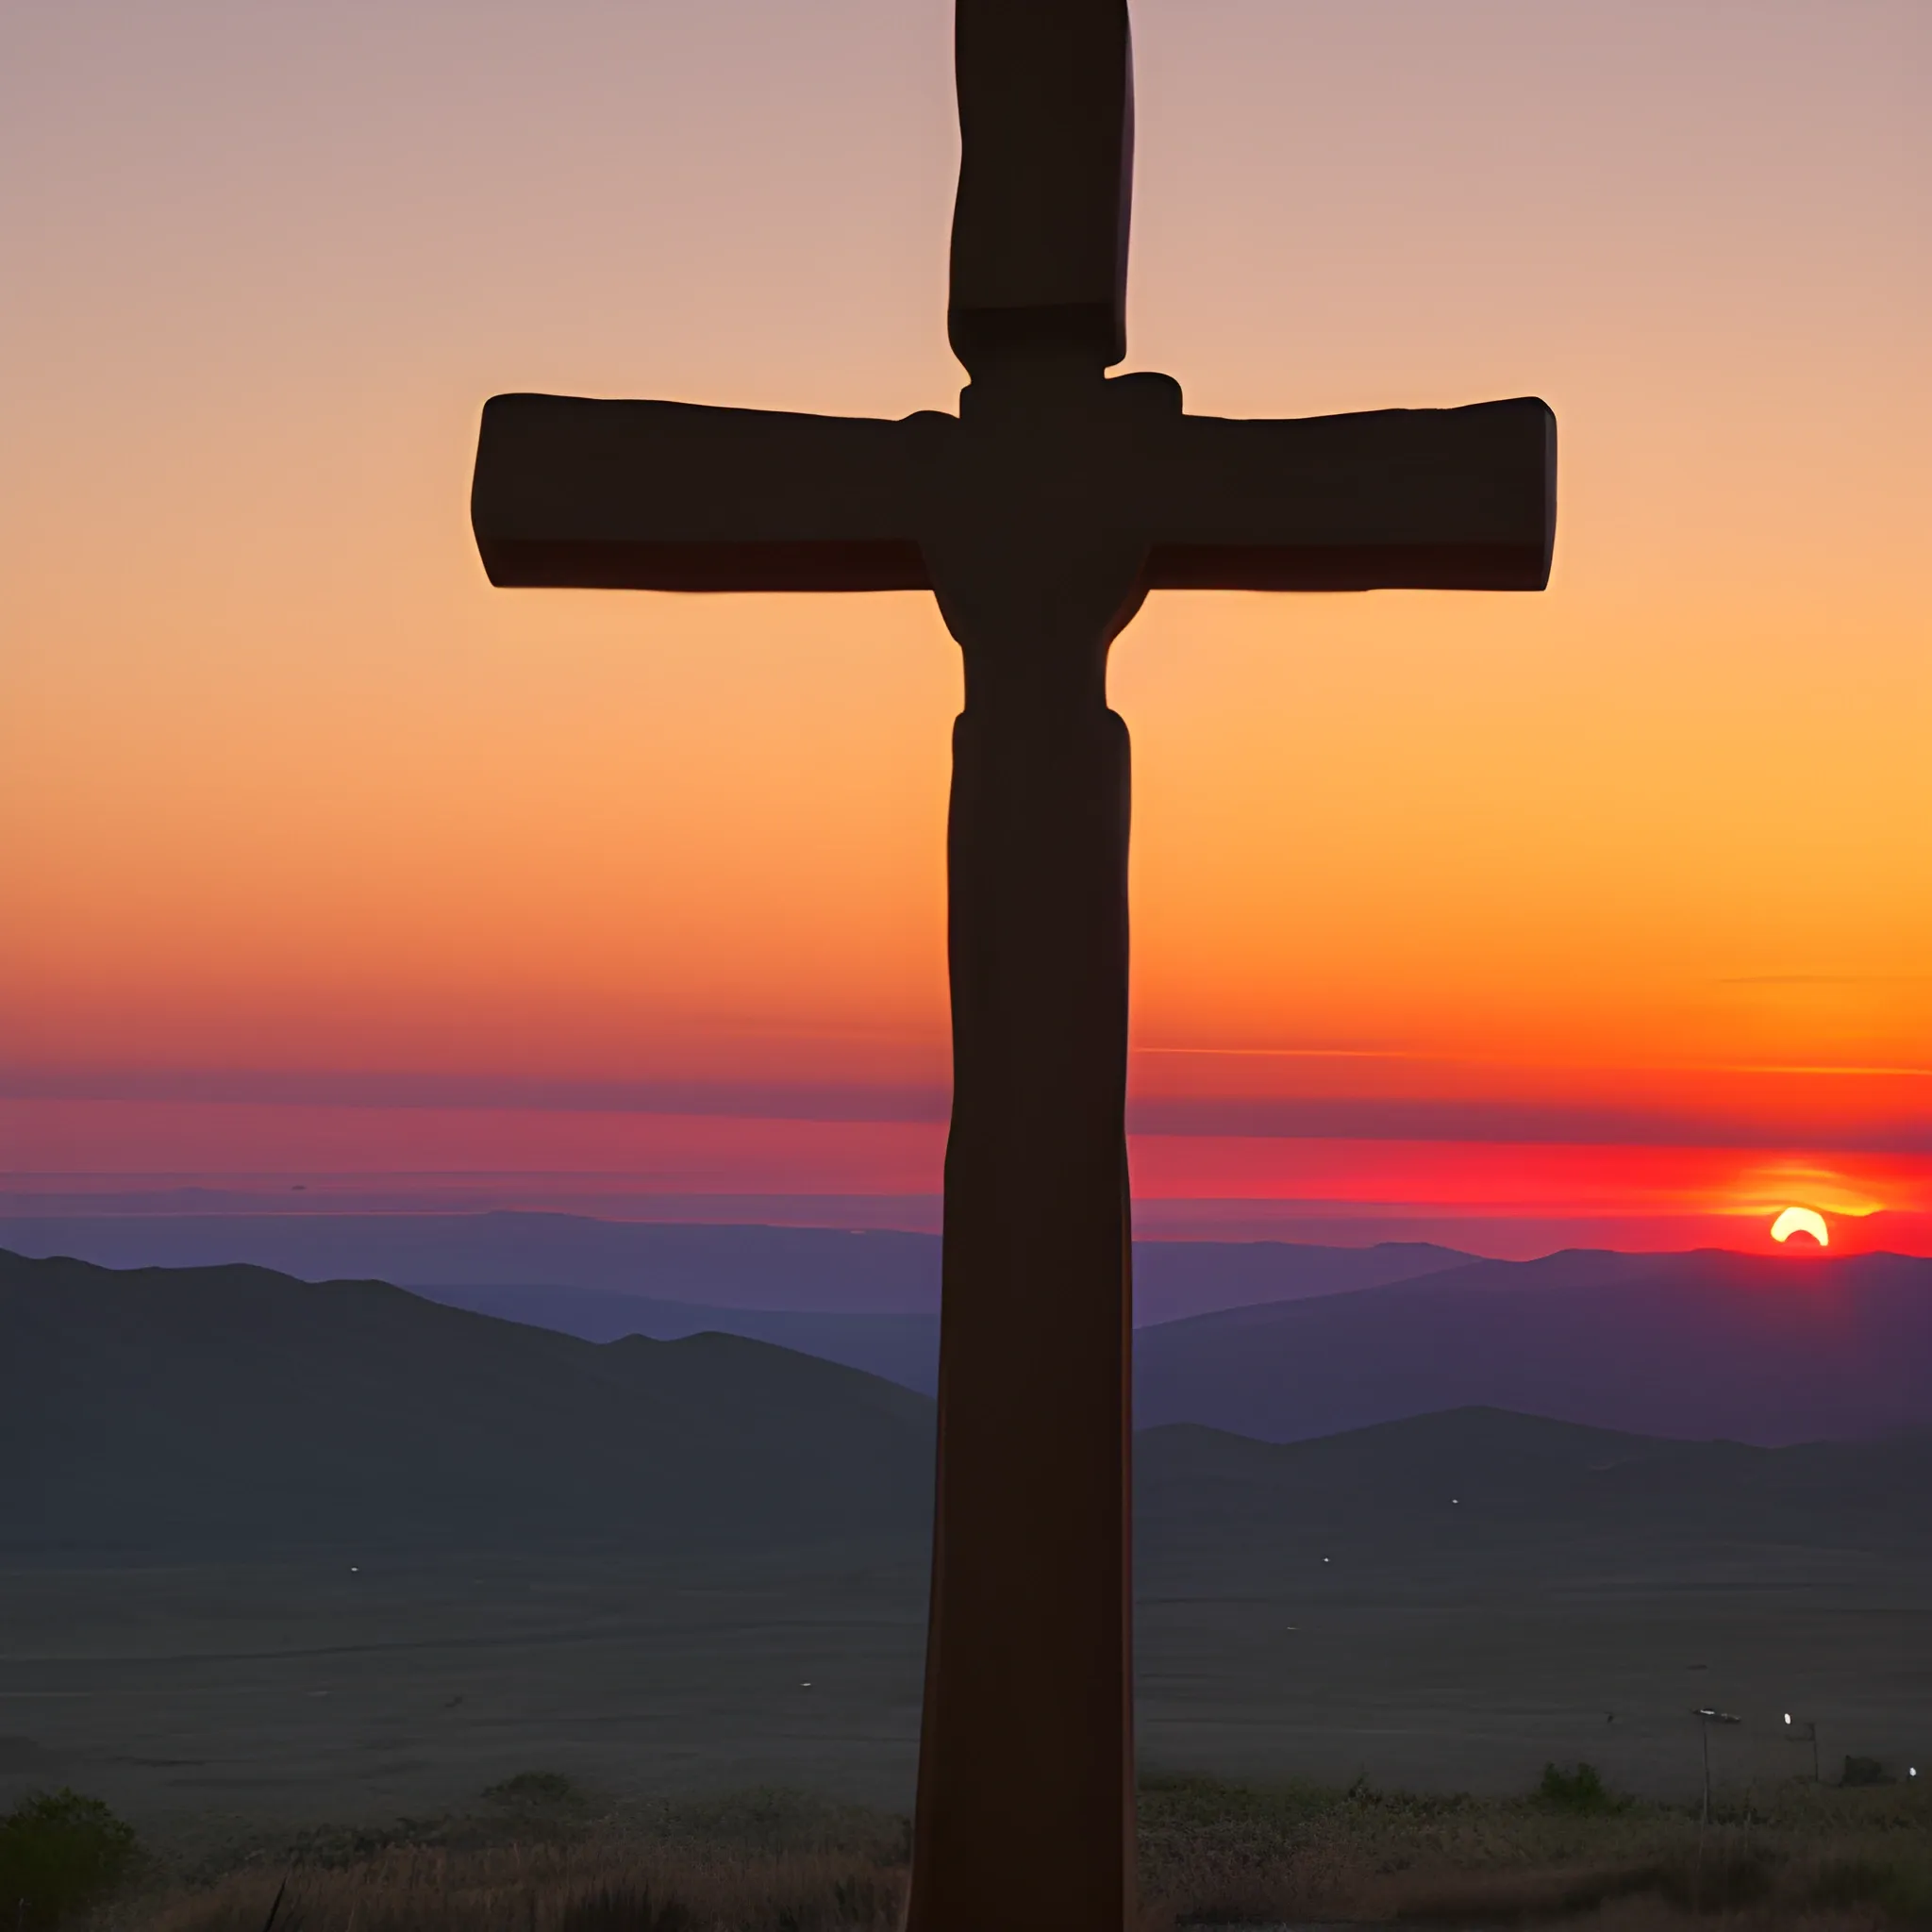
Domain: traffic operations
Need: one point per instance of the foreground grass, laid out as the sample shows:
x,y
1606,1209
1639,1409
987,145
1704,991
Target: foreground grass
x,y
1214,1853
542,1856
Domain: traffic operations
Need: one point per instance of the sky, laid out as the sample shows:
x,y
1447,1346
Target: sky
x,y
1595,916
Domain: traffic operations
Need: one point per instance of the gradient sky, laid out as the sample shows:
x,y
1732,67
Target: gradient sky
x,y
1606,911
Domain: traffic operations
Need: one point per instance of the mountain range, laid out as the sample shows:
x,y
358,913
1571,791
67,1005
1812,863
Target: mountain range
x,y
218,1407
1767,1349
1298,1340
239,1411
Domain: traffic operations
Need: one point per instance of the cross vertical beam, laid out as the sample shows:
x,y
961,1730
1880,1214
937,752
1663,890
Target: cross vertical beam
x,y
1026,1780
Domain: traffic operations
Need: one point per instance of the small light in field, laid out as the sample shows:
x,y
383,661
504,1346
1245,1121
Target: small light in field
x,y
1801,1221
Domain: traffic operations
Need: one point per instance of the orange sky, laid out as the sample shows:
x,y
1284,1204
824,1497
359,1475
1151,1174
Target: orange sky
x,y
1611,902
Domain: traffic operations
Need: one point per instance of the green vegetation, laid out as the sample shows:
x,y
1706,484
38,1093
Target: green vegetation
x,y
60,1853
1580,1791
540,1793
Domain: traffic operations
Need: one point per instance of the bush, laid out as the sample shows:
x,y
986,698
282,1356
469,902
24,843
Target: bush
x,y
1580,1791
59,1853
539,1791
1866,1771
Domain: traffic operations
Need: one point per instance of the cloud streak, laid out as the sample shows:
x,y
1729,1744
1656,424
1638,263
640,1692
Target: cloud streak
x,y
1469,1117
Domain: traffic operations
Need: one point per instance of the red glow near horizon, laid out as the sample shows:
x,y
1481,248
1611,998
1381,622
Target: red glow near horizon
x,y
1493,1197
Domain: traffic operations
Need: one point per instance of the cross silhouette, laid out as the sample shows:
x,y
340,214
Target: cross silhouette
x,y
1039,516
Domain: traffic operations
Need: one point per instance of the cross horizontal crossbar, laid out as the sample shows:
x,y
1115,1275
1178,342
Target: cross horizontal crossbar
x,y
674,496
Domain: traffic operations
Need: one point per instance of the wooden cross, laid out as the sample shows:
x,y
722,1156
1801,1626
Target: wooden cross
x,y
1039,516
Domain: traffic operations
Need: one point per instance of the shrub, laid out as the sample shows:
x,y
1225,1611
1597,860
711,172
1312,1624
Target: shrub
x,y
59,1853
1580,1791
538,1790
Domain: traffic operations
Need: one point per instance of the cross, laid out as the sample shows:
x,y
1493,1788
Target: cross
x,y
1039,516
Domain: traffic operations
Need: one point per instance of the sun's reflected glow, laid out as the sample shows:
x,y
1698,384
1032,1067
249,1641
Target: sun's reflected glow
x,y
1801,1221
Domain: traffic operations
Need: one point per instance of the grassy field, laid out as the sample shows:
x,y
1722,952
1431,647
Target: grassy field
x,y
539,1855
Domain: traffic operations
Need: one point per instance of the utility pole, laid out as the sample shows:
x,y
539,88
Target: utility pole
x,y
1706,1717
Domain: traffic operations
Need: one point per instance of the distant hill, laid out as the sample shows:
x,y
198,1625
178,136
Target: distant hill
x,y
233,1407
236,1411
828,1270
904,1348
767,1270
1480,1475
1771,1349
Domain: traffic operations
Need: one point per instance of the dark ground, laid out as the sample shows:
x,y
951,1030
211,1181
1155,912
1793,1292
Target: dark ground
x,y
207,1698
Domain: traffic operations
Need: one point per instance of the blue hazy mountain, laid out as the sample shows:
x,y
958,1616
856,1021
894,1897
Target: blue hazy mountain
x,y
800,1270
903,1348
1767,1349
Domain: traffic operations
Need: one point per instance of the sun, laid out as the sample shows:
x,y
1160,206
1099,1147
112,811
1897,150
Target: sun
x,y
1801,1221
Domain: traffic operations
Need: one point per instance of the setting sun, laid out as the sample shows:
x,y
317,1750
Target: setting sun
x,y
1801,1221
